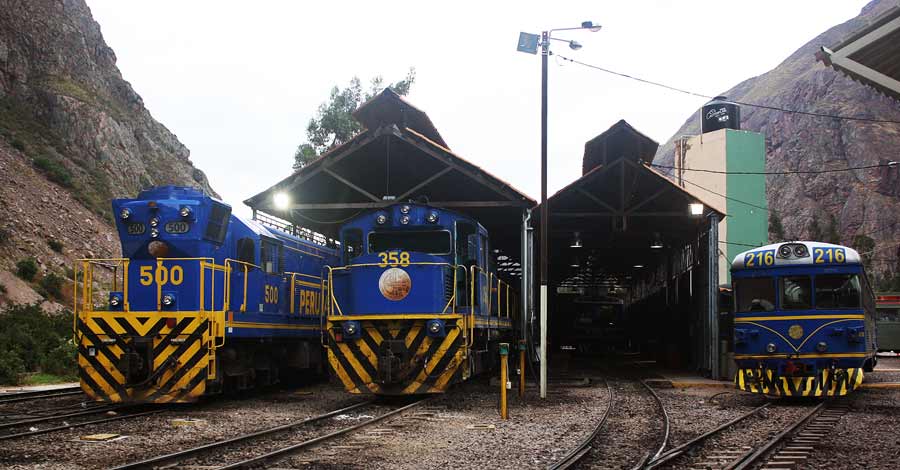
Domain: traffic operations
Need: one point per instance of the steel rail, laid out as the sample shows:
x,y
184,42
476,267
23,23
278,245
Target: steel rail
x,y
39,394
99,409
584,446
662,409
151,462
677,451
77,425
750,458
259,460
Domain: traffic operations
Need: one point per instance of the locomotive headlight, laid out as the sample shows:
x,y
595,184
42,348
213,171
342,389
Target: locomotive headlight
x,y
404,209
435,327
404,219
115,300
125,213
800,251
822,346
168,300
154,222
185,211
432,217
351,329
785,251
154,233
770,347
381,219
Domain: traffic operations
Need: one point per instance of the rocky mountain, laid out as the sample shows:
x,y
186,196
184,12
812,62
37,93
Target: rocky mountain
x,y
73,135
859,208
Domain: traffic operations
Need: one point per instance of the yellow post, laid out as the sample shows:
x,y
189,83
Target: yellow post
x,y
521,368
504,355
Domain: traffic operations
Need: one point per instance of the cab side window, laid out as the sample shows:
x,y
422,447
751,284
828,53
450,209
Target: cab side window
x,y
271,257
353,244
246,251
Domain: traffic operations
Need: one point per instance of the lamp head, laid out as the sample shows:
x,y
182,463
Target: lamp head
x,y
591,26
574,45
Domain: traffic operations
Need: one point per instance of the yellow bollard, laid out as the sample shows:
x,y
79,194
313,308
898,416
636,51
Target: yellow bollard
x,y
521,368
504,355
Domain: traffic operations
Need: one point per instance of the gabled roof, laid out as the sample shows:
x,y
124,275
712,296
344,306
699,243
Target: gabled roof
x,y
388,107
396,158
870,55
620,140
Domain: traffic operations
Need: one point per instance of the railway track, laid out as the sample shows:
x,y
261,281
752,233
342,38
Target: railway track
x,y
787,449
263,458
18,397
583,447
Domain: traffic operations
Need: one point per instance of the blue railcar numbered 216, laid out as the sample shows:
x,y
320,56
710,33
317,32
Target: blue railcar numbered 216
x,y
804,321
202,301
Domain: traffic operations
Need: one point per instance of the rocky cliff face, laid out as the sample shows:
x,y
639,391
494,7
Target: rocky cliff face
x,y
844,207
73,135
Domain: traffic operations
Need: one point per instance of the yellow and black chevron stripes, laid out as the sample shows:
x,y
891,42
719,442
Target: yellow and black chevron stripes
x,y
825,383
139,358
397,357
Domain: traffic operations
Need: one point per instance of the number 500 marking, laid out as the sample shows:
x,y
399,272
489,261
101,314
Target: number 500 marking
x,y
174,276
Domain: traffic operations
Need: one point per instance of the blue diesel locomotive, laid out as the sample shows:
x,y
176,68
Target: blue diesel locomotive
x,y
416,304
804,321
201,302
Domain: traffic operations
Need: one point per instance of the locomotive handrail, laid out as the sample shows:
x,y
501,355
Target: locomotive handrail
x,y
246,266
294,285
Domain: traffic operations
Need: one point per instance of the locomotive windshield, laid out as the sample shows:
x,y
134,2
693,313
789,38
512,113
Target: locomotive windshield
x,y
431,242
796,292
755,294
838,291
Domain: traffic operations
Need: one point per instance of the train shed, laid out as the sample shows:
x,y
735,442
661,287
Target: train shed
x,y
399,156
625,233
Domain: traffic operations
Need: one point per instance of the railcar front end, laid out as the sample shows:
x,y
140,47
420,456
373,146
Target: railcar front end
x,y
804,320
414,306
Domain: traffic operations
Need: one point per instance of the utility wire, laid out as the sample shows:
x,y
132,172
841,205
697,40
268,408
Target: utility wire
x,y
891,164
754,105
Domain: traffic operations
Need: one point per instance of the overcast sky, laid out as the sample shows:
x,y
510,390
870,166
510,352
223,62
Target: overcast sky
x,y
238,81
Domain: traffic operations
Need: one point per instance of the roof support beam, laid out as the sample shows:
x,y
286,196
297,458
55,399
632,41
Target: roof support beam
x,y
380,204
650,199
617,214
597,200
348,183
425,182
447,160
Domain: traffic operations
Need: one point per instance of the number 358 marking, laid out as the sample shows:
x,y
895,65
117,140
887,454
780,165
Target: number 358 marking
x,y
393,259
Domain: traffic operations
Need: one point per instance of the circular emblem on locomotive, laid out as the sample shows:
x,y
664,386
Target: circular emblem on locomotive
x,y
795,331
394,284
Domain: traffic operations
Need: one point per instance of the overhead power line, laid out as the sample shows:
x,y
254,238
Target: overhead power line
x,y
891,164
742,103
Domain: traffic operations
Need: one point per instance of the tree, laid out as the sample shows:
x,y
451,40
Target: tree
x,y
334,124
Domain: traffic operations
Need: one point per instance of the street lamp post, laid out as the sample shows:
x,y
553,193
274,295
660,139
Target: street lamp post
x,y
528,43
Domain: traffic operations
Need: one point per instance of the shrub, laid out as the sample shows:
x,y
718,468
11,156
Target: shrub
x,y
52,284
55,245
55,171
27,268
32,340
18,145
11,367
5,235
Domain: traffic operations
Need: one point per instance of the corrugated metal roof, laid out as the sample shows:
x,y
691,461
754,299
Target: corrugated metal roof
x,y
870,55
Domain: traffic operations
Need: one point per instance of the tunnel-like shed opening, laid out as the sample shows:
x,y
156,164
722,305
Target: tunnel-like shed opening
x,y
632,269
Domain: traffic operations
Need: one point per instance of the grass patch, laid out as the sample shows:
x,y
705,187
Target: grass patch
x,y
55,171
40,378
